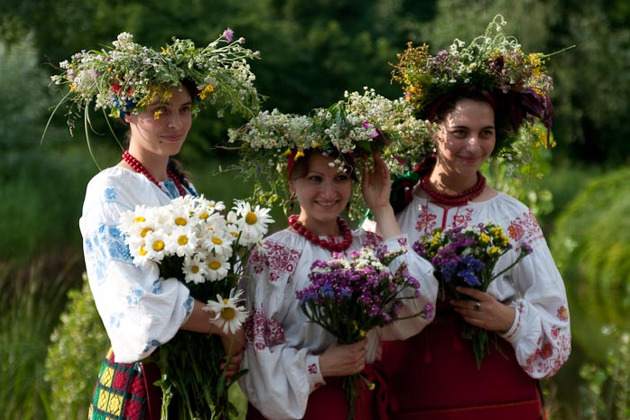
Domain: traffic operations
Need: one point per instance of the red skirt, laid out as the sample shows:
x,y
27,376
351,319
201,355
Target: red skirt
x,y
434,375
329,402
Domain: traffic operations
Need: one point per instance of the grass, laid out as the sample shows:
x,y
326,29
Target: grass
x,y
32,302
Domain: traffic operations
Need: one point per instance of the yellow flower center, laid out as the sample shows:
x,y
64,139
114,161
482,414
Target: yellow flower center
x,y
145,231
182,240
158,245
228,313
142,251
217,241
214,265
181,221
139,219
251,218
194,269
204,215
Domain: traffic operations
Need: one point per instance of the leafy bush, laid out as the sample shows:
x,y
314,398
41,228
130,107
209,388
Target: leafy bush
x,y
606,394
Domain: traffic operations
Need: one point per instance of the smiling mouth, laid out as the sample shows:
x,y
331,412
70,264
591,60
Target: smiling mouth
x,y
172,137
326,203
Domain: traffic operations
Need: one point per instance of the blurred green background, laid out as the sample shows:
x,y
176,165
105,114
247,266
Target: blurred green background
x,y
51,343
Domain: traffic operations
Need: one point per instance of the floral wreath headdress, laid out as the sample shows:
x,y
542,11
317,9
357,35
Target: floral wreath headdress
x,y
128,77
493,64
358,125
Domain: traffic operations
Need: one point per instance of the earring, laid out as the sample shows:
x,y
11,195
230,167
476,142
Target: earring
x,y
291,202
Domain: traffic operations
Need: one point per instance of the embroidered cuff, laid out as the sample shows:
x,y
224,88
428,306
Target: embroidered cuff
x,y
313,372
512,334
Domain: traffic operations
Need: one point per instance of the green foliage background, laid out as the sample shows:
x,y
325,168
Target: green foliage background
x,y
311,52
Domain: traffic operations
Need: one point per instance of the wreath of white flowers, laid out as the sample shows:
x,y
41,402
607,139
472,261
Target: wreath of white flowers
x,y
359,125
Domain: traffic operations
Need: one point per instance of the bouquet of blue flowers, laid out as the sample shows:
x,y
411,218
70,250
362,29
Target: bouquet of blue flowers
x,y
467,256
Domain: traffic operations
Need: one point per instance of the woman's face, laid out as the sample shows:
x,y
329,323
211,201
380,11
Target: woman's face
x,y
466,137
163,127
322,193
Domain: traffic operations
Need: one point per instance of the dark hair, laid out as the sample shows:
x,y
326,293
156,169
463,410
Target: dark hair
x,y
301,165
176,166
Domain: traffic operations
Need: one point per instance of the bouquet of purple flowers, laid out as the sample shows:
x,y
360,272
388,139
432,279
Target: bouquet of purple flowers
x,y
467,256
349,297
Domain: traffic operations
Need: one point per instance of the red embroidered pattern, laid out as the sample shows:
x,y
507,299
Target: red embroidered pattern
x,y
563,313
550,355
312,369
525,228
372,239
463,218
276,258
426,221
263,332
546,351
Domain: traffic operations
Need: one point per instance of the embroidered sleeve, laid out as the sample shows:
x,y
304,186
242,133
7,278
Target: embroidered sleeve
x,y
540,333
140,311
282,372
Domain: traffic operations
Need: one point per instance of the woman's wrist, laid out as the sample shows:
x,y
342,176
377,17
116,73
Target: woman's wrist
x,y
386,221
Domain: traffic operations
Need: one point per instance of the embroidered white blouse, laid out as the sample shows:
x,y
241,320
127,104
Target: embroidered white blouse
x,y
540,334
283,347
139,309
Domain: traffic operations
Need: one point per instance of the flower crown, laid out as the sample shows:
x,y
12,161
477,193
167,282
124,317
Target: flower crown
x,y
492,64
127,77
358,125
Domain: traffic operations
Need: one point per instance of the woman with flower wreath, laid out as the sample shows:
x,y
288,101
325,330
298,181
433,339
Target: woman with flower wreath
x,y
481,97
156,93
296,367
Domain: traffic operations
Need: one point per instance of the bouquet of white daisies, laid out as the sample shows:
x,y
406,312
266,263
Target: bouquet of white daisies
x,y
192,240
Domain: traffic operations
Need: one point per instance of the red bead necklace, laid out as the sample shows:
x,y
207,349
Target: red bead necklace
x,y
455,199
326,244
139,167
